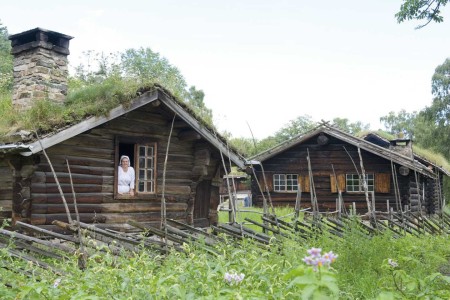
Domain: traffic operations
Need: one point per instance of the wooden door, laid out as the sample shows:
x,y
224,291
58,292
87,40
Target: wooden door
x,y
202,197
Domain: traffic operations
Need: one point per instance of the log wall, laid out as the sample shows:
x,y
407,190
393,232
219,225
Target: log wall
x,y
93,162
6,189
324,157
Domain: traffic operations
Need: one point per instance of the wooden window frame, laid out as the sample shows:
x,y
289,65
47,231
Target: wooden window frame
x,y
370,180
146,169
290,184
137,142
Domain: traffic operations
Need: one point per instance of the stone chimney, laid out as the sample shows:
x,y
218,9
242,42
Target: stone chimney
x,y
402,146
40,67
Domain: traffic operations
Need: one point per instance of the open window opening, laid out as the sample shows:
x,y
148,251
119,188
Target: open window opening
x,y
128,150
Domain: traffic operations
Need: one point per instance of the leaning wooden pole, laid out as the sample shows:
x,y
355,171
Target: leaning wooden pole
x,y
370,209
394,179
298,200
233,183
262,193
339,201
312,187
82,258
266,187
69,218
419,201
231,202
163,197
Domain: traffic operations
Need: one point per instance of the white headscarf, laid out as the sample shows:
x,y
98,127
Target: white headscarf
x,y
122,157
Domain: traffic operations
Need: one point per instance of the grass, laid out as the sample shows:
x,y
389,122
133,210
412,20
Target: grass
x,y
277,271
81,102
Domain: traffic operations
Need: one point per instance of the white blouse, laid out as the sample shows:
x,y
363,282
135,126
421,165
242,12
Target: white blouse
x,y
126,180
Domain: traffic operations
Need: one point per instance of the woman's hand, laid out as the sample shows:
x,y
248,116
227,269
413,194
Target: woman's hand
x,y
132,192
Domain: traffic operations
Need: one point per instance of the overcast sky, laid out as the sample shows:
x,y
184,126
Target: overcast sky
x,y
261,62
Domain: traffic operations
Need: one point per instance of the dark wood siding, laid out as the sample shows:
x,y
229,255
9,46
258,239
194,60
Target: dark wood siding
x,y
93,162
337,155
6,189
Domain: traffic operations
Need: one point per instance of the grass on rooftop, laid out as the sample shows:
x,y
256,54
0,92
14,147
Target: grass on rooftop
x,y
81,102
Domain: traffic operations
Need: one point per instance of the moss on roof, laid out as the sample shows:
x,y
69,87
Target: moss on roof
x,y
426,154
45,116
81,103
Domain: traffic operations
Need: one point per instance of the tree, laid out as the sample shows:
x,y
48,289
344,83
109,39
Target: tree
x,y
295,127
352,128
195,100
246,146
6,60
437,115
147,66
401,124
428,10
95,68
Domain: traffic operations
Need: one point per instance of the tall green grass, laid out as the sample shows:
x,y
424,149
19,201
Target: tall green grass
x,y
361,270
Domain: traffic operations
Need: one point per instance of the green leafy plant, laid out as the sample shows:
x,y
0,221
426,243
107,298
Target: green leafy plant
x,y
400,285
317,281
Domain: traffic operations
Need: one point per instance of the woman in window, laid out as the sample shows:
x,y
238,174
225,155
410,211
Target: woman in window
x,y
126,176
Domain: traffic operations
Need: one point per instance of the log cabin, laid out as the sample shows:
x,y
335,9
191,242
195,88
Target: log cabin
x,y
153,128
330,164
238,185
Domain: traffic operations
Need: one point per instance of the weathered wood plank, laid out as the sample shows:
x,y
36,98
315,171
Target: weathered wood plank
x,y
6,194
87,140
93,152
126,207
47,219
42,188
48,177
77,160
76,169
5,204
175,189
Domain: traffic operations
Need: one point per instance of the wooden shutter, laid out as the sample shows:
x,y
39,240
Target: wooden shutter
x,y
382,182
303,181
340,180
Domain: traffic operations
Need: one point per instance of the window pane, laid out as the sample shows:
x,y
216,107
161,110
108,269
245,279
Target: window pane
x,y
145,169
285,182
355,183
150,186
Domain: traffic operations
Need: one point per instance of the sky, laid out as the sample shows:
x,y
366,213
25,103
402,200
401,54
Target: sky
x,y
263,63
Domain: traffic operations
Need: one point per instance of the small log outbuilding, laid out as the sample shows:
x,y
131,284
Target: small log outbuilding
x,y
92,148
329,164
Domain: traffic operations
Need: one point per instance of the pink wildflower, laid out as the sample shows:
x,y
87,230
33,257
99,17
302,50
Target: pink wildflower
x,y
233,278
316,260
